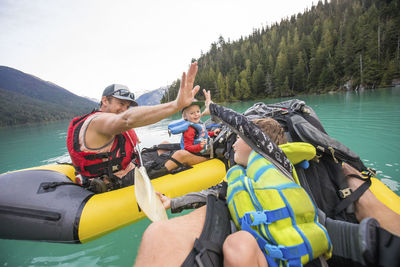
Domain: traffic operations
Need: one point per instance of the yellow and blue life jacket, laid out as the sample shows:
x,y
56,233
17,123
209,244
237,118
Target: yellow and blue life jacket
x,y
277,212
180,126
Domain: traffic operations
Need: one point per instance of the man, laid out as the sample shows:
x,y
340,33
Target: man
x,y
102,144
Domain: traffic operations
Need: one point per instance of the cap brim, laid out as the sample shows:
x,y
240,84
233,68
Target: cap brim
x,y
198,103
254,137
133,102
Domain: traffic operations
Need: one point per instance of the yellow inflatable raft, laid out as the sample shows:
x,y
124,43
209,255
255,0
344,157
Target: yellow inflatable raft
x,y
43,203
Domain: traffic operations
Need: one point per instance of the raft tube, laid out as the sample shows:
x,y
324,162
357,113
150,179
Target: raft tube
x,y
68,213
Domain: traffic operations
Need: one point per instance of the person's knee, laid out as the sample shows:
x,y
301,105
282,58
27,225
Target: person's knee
x,y
161,151
181,155
177,155
154,231
238,248
241,249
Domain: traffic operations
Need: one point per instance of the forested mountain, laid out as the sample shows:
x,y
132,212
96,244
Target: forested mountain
x,y
25,98
334,45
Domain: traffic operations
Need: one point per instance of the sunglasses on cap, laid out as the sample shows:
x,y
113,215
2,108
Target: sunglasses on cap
x,y
124,93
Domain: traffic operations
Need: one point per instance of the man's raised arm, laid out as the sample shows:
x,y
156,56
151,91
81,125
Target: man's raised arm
x,y
112,124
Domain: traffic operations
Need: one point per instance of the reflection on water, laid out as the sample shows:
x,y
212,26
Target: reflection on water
x,y
155,134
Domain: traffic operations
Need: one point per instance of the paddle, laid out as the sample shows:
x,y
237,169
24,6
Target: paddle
x,y
146,197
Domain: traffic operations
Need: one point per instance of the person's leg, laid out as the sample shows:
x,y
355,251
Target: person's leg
x,y
369,206
241,249
168,243
184,157
161,151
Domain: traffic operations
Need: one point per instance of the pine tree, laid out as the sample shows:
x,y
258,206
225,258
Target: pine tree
x,y
245,89
238,91
228,89
299,75
221,87
258,80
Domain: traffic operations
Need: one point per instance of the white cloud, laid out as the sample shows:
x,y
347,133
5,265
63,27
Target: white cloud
x,y
86,45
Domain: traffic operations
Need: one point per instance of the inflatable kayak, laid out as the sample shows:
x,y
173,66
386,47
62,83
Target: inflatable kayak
x,y
44,203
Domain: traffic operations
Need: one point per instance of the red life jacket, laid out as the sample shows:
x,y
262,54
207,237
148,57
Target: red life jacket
x,y
92,164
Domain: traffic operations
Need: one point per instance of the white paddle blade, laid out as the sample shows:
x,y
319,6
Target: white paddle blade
x,y
146,197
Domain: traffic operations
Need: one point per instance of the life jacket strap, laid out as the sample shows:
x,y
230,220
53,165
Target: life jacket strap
x,y
103,155
106,167
266,216
292,254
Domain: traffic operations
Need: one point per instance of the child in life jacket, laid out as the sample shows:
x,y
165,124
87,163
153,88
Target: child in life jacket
x,y
195,138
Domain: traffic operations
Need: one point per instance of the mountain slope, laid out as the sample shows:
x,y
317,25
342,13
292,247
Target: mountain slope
x,y
25,98
151,98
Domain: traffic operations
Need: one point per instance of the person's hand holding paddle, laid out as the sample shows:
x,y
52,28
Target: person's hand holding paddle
x,y
166,201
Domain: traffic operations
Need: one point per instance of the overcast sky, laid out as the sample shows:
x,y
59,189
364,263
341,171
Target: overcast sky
x,y
85,45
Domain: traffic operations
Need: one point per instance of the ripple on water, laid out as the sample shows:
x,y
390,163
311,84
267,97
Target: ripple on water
x,y
87,257
63,158
392,184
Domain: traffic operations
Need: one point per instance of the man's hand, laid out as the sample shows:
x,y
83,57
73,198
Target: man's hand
x,y
187,92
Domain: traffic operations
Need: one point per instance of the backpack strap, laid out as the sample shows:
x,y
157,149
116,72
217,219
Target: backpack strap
x,y
349,196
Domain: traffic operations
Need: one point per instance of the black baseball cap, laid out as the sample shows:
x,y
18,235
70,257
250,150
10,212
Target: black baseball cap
x,y
121,92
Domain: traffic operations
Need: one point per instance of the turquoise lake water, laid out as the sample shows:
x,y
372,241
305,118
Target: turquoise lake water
x,y
367,122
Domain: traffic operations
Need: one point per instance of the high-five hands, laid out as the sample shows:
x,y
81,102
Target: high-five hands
x,y
187,92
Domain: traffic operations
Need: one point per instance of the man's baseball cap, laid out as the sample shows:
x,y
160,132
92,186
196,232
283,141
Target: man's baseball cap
x,y
121,92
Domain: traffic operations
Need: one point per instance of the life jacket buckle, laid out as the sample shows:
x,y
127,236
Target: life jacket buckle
x,y
255,218
274,251
115,168
343,193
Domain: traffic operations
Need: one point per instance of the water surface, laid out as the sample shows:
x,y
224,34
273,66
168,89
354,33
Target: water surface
x,y
367,122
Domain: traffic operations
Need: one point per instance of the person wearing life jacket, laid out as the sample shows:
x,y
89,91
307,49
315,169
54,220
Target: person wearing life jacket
x,y
207,247
194,133
102,144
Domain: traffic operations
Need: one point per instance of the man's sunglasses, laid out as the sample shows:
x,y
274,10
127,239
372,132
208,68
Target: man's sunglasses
x,y
124,93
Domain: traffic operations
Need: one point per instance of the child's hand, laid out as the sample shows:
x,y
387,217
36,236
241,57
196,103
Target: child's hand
x,y
203,143
166,201
208,100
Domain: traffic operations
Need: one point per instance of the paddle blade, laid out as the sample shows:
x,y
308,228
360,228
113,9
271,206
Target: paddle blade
x,y
146,197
